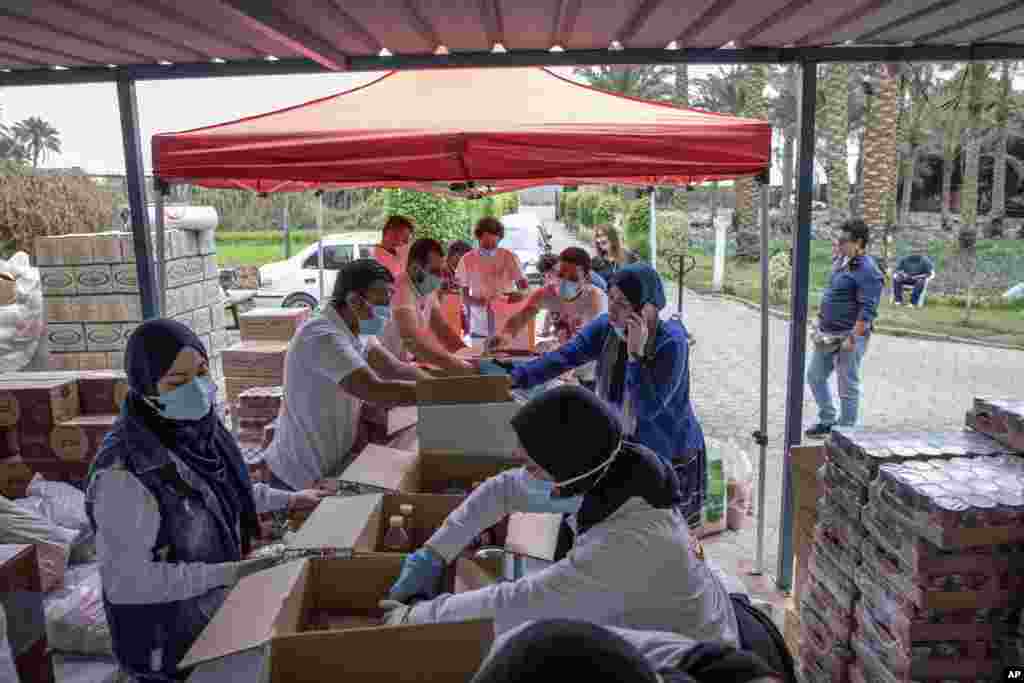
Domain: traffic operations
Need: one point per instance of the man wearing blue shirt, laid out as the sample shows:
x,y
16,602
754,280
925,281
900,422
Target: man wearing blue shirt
x,y
841,334
912,271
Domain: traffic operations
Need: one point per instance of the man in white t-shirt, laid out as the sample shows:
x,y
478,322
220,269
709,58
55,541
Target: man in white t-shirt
x,y
571,294
394,244
485,274
417,329
330,372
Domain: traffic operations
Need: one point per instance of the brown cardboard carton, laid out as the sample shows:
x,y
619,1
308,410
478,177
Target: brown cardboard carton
x,y
472,574
289,606
442,471
102,392
66,337
45,252
467,415
429,513
125,278
400,419
9,446
79,440
388,469
77,249
93,361
106,247
94,279
36,406
271,324
255,359
104,337
15,477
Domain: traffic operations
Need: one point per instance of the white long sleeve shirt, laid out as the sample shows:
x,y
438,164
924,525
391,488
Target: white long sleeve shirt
x,y
633,570
127,522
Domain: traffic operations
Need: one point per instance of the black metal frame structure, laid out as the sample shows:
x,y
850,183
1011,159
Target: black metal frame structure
x,y
808,58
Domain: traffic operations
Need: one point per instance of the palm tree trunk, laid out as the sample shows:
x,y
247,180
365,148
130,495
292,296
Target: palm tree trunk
x,y
682,199
1002,119
837,130
747,229
910,171
880,155
968,238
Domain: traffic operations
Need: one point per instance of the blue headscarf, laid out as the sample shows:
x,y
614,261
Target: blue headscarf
x,y
641,284
204,445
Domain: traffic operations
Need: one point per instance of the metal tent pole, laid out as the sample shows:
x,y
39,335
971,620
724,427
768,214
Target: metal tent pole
x,y
320,241
160,190
798,307
136,179
761,436
652,228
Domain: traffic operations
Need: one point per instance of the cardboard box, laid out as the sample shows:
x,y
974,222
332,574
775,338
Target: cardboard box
x,y
125,278
36,406
284,610
210,269
45,252
104,337
106,247
472,574
791,628
255,360
467,415
94,279
383,468
202,321
15,478
9,446
65,337
79,440
271,324
102,392
58,281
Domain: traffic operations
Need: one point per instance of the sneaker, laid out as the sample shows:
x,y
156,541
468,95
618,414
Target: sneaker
x,y
897,303
818,431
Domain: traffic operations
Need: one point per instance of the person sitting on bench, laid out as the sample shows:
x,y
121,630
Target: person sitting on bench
x,y
912,271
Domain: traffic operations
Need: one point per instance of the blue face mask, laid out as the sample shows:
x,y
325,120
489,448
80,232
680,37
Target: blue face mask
x,y
620,331
488,252
539,499
375,325
429,284
191,401
568,290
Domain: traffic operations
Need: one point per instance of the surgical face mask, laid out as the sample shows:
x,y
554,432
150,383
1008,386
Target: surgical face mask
x,y
488,252
375,325
189,402
426,282
620,331
539,491
568,290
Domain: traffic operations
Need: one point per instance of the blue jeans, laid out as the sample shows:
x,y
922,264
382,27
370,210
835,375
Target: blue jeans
x,y
899,283
846,365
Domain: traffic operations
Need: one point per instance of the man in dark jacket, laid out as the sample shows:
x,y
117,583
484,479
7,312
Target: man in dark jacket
x,y
840,336
912,271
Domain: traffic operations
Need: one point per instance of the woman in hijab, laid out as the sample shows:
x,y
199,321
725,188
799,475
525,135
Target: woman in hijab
x,y
643,371
632,565
545,650
171,503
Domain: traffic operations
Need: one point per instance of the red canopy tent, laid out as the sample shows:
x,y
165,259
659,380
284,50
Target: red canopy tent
x,y
439,130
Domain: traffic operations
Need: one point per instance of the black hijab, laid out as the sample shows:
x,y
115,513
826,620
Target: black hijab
x,y
548,650
569,431
204,445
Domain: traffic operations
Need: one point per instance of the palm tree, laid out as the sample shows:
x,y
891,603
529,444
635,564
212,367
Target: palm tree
x,y
747,229
998,207
38,137
784,117
721,92
648,82
836,129
919,80
682,99
880,124
978,73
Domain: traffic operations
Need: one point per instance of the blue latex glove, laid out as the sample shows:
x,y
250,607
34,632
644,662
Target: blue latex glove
x,y
421,574
489,367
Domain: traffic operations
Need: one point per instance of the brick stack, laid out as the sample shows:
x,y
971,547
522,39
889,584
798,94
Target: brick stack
x,y
271,324
54,422
92,294
257,409
845,601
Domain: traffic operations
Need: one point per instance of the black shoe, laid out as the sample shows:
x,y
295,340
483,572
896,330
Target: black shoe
x,y
818,431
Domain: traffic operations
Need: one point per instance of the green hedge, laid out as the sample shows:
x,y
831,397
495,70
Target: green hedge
x,y
443,218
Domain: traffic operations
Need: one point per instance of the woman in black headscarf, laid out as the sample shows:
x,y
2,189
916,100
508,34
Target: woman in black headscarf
x,y
631,565
171,503
546,650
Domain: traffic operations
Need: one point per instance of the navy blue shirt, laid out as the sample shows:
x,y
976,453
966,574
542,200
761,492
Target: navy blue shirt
x,y
916,264
851,295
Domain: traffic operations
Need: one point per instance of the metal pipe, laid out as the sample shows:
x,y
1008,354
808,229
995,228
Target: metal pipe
x,y
320,242
161,242
798,308
652,228
762,436
135,178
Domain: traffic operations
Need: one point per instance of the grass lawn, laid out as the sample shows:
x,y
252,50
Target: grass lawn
x,y
257,248
1003,325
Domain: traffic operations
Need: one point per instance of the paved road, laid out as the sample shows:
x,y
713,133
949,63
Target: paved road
x,y
908,384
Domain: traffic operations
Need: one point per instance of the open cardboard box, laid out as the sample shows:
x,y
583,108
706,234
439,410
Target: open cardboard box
x,y
314,618
356,525
467,415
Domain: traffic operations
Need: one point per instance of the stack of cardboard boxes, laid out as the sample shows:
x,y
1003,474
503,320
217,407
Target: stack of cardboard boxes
x,y
854,623
257,409
92,296
54,422
258,360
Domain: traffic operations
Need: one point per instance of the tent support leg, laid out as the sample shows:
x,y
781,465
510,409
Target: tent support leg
x,y
761,436
320,242
798,307
136,180
161,190
652,228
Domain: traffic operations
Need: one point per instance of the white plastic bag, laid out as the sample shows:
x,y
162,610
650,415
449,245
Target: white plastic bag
x,y
53,543
22,322
63,504
75,618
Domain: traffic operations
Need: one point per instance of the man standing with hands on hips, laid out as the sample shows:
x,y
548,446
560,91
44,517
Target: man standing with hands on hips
x,y
840,336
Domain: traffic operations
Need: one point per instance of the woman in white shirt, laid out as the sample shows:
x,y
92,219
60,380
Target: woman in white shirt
x,y
632,565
